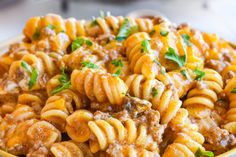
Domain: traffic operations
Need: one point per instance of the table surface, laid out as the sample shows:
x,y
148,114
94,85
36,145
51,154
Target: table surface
x,y
216,16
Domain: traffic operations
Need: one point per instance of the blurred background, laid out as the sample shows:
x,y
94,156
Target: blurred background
x,y
216,16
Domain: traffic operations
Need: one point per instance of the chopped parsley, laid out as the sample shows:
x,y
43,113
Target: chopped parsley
x,y
78,42
117,73
154,92
36,34
65,83
186,39
94,23
33,78
164,33
134,29
185,73
202,153
199,74
233,90
145,46
171,55
117,63
33,73
26,66
50,26
124,31
152,32
89,65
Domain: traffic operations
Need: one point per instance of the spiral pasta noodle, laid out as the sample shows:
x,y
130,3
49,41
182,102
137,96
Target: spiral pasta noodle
x,y
162,98
106,88
116,86
200,100
188,140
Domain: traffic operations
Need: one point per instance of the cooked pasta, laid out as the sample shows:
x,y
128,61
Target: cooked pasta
x,y
117,87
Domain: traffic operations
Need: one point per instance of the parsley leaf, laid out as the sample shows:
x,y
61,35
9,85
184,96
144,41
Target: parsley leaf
x,y
124,31
89,65
51,26
171,55
117,73
202,153
233,90
145,46
199,74
152,32
77,43
33,78
94,23
88,42
154,92
26,66
185,73
61,87
36,34
164,33
186,39
117,63
65,83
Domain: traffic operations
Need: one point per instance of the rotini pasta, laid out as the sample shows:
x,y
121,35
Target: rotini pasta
x,y
117,86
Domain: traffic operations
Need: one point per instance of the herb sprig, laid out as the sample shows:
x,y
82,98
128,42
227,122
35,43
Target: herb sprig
x,y
33,74
199,74
65,83
78,42
145,46
117,63
89,65
173,56
124,31
202,153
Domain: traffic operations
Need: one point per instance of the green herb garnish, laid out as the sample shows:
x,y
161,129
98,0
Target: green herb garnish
x,y
36,34
117,63
145,46
51,26
186,39
152,32
164,33
88,42
33,78
233,90
77,43
33,73
134,29
117,73
65,83
124,31
154,92
202,153
89,65
171,55
94,23
185,73
199,74
26,66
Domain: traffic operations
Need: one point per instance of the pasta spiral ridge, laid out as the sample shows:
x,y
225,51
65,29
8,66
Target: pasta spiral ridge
x,y
74,28
162,98
230,115
110,130
140,62
188,139
99,86
201,100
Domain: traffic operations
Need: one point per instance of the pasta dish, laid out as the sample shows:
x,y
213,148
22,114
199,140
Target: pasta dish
x,y
117,87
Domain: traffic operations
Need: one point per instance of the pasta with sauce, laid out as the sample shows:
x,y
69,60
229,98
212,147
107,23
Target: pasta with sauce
x,y
117,86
